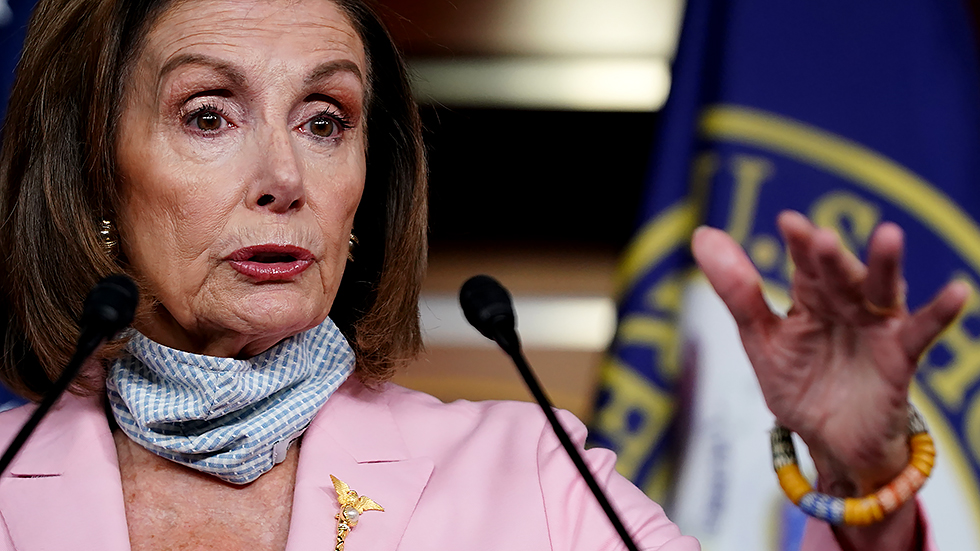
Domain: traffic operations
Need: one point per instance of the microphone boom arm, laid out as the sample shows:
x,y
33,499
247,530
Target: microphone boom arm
x,y
108,308
487,306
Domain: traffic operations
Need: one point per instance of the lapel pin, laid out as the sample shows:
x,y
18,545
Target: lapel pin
x,y
351,508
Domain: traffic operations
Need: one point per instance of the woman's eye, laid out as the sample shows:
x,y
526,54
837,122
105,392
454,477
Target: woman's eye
x,y
208,121
323,127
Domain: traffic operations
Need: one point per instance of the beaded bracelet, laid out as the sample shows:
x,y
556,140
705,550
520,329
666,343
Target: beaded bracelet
x,y
855,511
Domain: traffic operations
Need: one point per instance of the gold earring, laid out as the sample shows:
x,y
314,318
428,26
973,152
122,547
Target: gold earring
x,y
110,239
351,244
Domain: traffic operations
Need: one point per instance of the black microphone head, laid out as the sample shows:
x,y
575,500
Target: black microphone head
x,y
487,306
110,305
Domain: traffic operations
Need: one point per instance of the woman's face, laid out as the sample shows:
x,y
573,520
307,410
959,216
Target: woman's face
x,y
241,154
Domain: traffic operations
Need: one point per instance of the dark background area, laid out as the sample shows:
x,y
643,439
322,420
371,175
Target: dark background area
x,y
528,178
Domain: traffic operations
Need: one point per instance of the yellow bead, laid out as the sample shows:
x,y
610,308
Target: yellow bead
x,y
875,508
923,462
922,453
863,511
853,512
922,441
793,482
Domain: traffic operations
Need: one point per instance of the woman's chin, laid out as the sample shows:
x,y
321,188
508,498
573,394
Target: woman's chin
x,y
263,327
241,329
232,318
253,339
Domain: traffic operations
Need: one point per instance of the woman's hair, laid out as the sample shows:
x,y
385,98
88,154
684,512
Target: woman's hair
x,y
58,182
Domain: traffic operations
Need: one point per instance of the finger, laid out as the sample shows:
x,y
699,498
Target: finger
x,y
732,275
849,262
840,272
798,233
883,286
923,326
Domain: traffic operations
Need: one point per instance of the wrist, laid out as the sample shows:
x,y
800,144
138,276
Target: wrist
x,y
900,531
848,482
859,477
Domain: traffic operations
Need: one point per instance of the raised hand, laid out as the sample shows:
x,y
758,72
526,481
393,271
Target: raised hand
x,y
837,368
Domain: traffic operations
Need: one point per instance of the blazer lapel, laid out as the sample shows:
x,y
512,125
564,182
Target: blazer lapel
x,y
63,489
356,439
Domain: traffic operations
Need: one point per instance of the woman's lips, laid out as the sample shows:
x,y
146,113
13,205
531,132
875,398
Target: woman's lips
x,y
271,262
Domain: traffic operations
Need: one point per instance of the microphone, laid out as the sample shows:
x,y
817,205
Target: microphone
x,y
108,308
488,307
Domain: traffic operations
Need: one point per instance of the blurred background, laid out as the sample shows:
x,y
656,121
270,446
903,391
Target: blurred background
x,y
559,166
539,122
574,145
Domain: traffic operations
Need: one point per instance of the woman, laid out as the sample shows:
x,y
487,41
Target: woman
x,y
237,146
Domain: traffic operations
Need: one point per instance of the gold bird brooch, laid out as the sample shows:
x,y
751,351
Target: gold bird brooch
x,y
351,508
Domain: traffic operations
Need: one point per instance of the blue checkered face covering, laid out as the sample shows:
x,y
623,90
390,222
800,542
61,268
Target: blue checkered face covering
x,y
231,418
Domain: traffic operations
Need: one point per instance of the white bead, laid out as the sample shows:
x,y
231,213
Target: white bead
x,y
351,514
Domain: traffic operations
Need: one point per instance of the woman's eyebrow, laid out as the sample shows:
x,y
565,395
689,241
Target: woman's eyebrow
x,y
329,68
228,70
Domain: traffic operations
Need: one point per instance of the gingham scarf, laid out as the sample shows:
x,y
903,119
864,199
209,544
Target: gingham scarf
x,y
231,418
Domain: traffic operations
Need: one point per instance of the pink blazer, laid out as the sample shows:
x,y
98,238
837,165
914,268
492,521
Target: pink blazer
x,y
474,476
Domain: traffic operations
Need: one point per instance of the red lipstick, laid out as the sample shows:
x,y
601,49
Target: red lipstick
x,y
271,262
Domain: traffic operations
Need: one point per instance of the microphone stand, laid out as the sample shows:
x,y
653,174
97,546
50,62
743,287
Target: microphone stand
x,y
108,308
86,346
487,306
512,346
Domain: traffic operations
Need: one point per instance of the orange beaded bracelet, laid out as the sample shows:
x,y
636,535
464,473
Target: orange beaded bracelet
x,y
855,511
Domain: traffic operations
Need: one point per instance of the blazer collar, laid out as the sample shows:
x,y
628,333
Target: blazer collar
x,y
63,489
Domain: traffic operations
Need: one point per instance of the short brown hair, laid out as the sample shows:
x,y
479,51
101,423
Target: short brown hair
x,y
57,182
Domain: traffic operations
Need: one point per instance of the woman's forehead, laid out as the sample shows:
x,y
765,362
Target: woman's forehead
x,y
248,33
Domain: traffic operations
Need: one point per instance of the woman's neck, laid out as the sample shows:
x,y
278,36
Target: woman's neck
x,y
170,506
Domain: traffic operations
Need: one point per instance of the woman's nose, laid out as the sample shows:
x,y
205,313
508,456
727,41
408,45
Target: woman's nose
x,y
278,186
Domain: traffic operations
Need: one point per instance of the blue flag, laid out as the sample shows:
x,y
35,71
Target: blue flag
x,y
13,24
853,112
